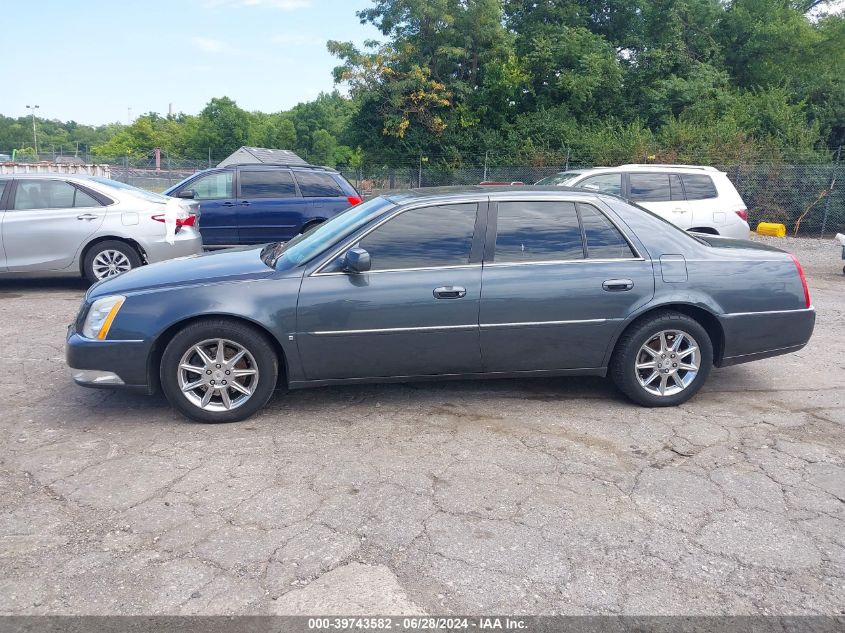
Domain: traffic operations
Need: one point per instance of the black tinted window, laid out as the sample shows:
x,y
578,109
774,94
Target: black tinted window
x,y
537,231
44,194
606,183
421,238
2,188
604,241
675,187
267,184
650,187
317,185
699,187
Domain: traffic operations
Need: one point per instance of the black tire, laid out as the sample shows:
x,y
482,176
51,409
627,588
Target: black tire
x,y
310,225
131,255
629,351
260,350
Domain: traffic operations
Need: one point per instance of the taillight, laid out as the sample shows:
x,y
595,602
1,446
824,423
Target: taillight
x,y
353,200
803,281
743,214
191,220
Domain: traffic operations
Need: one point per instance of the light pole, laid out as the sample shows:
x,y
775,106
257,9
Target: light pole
x,y
34,135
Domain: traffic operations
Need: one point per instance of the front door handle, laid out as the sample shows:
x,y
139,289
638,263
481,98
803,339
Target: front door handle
x,y
617,285
87,216
450,292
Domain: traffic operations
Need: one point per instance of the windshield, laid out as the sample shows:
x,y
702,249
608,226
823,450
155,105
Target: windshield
x,y
141,193
558,179
307,245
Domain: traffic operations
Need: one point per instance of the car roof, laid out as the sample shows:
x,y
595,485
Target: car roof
x,y
427,194
268,167
651,167
45,174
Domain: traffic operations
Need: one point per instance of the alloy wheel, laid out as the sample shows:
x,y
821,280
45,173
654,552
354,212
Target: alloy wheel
x,y
109,263
217,375
667,363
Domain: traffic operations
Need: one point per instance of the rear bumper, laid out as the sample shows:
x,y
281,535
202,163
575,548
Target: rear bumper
x,y
755,335
187,242
107,364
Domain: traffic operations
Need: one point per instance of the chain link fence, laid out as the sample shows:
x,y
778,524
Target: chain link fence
x,y
809,197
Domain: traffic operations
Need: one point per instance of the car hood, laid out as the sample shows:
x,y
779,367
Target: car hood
x,y
227,265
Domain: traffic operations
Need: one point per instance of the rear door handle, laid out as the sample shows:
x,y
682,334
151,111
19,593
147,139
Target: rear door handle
x,y
617,285
228,204
450,292
87,216
244,203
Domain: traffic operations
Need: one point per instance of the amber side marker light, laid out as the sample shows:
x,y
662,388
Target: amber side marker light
x,y
104,330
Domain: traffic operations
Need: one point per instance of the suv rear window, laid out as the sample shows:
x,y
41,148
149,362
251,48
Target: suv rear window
x,y
267,184
317,185
699,187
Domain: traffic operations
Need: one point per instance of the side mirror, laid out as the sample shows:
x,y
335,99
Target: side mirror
x,y
188,194
356,260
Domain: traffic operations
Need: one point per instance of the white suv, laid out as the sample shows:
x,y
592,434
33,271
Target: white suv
x,y
700,199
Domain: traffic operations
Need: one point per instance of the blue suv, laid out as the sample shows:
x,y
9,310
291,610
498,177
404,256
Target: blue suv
x,y
253,204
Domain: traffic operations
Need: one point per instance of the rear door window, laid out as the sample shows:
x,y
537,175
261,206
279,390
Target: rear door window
x,y
83,199
649,187
44,194
606,183
537,231
699,187
267,184
604,241
318,185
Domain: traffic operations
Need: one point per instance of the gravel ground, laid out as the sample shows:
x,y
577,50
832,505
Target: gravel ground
x,y
512,496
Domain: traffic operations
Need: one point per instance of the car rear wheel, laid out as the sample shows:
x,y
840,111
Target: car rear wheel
x,y
108,259
662,360
219,371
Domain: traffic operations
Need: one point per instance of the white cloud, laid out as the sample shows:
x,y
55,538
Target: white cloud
x,y
284,5
208,44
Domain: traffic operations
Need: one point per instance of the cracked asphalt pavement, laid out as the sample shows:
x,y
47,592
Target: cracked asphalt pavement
x,y
512,496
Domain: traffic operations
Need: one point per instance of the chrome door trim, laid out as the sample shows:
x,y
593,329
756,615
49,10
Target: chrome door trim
x,y
395,330
542,323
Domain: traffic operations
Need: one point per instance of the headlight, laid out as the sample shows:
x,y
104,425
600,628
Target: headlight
x,y
101,315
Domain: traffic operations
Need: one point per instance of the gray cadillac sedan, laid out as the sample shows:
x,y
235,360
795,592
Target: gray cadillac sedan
x,y
446,283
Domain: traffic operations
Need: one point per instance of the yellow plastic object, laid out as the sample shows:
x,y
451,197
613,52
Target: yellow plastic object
x,y
770,228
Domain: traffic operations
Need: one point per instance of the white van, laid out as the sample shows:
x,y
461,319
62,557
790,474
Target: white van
x,y
700,199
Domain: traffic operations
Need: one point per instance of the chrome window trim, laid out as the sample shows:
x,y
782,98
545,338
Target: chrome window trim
x,y
398,270
392,214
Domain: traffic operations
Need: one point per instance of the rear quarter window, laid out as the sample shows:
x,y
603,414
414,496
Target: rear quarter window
x,y
699,187
318,185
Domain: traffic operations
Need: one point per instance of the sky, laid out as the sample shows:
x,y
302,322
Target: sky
x,y
92,60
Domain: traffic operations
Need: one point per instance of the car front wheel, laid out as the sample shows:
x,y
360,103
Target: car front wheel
x,y
662,360
219,371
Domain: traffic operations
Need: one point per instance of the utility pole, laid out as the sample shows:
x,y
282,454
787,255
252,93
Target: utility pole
x,y
830,190
34,135
485,164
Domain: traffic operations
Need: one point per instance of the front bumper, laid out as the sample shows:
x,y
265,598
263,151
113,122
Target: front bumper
x,y
108,364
